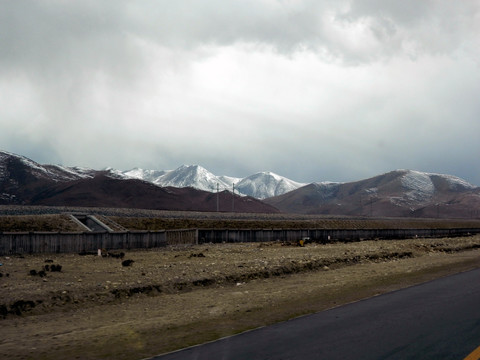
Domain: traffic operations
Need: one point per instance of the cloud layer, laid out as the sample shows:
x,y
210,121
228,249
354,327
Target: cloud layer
x,y
312,90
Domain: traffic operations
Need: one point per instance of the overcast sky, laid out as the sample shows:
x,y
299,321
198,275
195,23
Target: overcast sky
x,y
311,90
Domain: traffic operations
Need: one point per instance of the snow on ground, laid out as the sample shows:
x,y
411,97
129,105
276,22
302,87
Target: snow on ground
x,y
147,175
72,173
229,180
456,182
419,186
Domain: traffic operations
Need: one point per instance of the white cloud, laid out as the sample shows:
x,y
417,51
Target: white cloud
x,y
330,90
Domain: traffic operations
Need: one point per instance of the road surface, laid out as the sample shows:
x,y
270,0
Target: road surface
x,y
436,320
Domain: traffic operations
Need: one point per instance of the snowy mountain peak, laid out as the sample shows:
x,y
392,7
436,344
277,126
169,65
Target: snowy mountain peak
x,y
266,184
194,176
260,185
190,176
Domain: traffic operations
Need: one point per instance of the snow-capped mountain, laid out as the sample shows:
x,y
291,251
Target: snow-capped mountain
x,y
25,182
190,176
9,162
397,193
193,176
266,184
21,177
260,185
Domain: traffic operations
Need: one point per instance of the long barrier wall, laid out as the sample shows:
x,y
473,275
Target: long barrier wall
x,y
54,242
324,235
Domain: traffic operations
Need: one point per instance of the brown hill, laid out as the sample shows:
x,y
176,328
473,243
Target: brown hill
x,y
398,193
106,191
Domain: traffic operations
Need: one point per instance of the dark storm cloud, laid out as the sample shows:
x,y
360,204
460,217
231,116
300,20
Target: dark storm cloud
x,y
313,90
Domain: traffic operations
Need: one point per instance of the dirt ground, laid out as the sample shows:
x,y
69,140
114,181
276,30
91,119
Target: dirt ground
x,y
85,306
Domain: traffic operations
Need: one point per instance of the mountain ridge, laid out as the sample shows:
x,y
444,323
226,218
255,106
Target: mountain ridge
x,y
402,192
405,193
25,182
260,185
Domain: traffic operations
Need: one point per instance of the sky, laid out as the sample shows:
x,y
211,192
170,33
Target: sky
x,y
311,90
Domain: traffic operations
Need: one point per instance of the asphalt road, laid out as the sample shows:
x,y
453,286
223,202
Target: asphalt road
x,y
436,320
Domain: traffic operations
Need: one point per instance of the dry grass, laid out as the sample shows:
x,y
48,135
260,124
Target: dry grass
x,y
38,218
170,298
269,222
22,223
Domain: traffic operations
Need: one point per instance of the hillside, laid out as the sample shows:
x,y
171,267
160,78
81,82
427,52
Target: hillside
x,y
105,191
404,193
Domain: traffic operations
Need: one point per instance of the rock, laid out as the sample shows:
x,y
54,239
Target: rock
x,y
127,262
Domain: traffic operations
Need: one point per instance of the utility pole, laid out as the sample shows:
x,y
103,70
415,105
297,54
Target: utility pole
x,y
217,199
233,197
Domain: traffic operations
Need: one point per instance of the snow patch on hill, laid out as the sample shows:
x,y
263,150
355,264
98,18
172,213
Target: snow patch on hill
x,y
418,185
456,183
54,172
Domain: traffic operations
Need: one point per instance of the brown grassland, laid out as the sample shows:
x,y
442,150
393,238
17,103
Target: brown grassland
x,y
169,298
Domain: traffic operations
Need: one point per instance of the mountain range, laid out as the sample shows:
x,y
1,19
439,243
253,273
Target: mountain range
x,y
261,185
404,193
25,182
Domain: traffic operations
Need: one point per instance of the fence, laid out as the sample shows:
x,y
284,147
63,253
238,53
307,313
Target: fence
x,y
324,235
54,242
